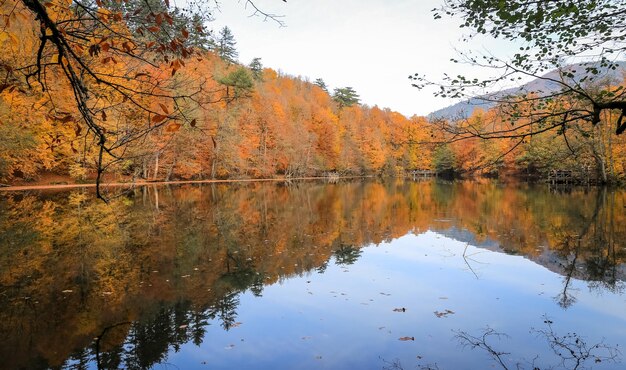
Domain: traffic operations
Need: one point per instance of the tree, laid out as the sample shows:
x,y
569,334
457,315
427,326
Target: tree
x,y
444,160
551,35
225,46
345,97
322,85
238,84
256,67
112,57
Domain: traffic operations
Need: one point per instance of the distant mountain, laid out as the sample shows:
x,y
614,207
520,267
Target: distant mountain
x,y
542,84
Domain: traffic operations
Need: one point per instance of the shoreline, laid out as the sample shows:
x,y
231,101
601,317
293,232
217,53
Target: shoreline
x,y
145,183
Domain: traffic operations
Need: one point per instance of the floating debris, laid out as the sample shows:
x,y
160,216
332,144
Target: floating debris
x,y
443,313
402,309
404,339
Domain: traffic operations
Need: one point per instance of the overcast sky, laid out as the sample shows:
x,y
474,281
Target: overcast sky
x,y
370,45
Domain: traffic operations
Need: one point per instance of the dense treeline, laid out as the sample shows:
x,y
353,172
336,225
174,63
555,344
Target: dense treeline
x,y
590,152
204,115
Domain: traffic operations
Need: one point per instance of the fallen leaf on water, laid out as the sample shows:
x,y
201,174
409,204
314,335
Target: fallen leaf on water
x,y
236,325
402,309
404,339
183,326
68,291
230,346
443,313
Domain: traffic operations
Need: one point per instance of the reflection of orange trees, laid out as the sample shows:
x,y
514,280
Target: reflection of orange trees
x,y
202,243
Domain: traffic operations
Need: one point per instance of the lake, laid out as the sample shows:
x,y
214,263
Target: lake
x,y
312,275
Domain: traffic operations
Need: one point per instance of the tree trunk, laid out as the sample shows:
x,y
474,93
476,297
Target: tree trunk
x,y
170,170
215,157
156,166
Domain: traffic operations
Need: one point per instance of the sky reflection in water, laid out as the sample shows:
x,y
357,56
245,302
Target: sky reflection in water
x,y
362,275
345,318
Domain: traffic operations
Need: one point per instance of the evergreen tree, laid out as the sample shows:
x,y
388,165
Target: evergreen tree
x,y
319,82
257,69
345,97
200,38
225,45
238,84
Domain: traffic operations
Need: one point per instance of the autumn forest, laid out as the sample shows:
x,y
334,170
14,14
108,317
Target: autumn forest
x,y
169,200
169,100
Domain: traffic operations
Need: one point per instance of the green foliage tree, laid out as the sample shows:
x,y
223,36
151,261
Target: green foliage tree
x,y
551,35
444,160
256,67
345,97
238,84
320,82
225,46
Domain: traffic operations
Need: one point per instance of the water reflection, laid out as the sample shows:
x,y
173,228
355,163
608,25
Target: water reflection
x,y
125,284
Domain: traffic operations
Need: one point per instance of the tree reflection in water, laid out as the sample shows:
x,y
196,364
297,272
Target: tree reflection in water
x,y
174,260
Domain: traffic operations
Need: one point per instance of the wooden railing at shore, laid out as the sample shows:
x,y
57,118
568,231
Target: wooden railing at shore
x,y
419,173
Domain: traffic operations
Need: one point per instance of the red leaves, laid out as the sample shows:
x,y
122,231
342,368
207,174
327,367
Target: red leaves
x,y
164,108
128,47
157,118
193,123
66,119
169,19
154,29
176,64
185,33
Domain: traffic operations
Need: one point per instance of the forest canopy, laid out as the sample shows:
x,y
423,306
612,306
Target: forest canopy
x,y
146,91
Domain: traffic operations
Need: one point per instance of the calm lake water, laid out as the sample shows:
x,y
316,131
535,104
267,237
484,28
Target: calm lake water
x,y
356,275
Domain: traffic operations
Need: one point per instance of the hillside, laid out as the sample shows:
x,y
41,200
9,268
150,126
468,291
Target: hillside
x,y
544,84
